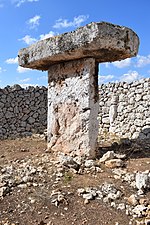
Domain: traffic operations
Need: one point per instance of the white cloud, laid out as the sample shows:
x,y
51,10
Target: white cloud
x,y
122,63
105,79
44,36
28,39
22,69
25,80
33,22
20,2
130,76
107,64
142,60
2,70
1,5
27,85
42,78
63,23
12,60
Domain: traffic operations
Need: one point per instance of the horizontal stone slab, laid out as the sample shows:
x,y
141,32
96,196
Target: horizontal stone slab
x,y
103,41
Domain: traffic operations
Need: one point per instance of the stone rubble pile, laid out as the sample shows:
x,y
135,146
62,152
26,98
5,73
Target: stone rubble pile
x,y
21,174
137,206
125,109
22,111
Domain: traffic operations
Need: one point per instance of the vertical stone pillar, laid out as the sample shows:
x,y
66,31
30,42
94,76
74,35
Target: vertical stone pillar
x,y
73,107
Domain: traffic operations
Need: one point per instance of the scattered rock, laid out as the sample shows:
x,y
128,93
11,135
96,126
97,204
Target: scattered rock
x,y
142,180
133,200
113,163
68,161
89,163
107,156
88,196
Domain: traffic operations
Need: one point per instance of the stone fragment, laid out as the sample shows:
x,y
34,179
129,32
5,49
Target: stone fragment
x,y
133,200
121,206
120,156
88,196
89,163
108,188
3,191
114,196
113,163
68,161
138,210
142,180
144,201
107,156
81,191
86,201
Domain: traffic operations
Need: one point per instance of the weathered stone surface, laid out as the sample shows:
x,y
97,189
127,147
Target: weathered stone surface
x,y
113,163
142,180
24,99
103,41
22,111
73,107
128,114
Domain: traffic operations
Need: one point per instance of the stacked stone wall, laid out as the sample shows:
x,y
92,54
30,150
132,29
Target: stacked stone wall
x,y
125,109
22,111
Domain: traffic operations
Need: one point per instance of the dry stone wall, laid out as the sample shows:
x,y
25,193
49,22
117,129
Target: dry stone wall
x,y
22,111
125,109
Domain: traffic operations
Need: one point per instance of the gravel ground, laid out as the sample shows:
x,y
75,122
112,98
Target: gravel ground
x,y
36,189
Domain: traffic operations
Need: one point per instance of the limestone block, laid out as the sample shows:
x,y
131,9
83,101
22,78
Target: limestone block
x,y
112,113
73,107
103,41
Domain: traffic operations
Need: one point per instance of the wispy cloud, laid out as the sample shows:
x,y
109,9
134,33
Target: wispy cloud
x,y
42,78
48,35
19,68
34,22
2,70
139,61
130,76
28,39
25,80
22,69
76,22
12,60
105,79
123,63
1,5
28,84
18,3
142,60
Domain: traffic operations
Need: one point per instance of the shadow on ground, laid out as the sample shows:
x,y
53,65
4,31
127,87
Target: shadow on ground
x,y
136,148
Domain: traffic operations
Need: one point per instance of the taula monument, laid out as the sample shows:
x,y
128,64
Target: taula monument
x,y
72,63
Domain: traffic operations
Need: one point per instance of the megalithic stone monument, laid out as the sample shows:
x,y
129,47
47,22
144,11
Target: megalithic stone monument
x,y
72,63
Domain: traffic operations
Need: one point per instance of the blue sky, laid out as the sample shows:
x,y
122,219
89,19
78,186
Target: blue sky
x,y
23,22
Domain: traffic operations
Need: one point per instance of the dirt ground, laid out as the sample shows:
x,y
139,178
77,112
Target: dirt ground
x,y
31,204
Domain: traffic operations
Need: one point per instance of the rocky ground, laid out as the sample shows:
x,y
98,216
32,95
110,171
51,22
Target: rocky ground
x,y
36,188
